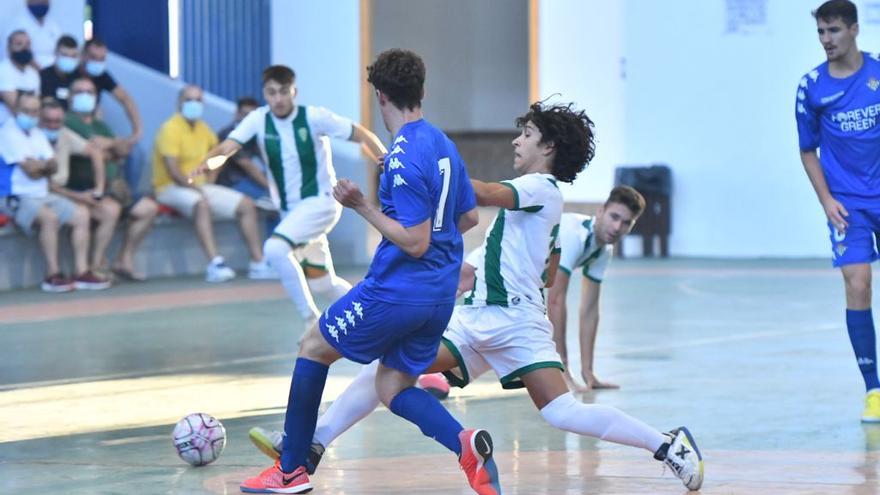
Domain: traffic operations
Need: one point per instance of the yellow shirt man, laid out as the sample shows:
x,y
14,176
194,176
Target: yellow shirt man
x,y
188,143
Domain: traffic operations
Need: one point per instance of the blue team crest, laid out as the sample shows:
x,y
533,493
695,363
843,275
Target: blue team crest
x,y
873,84
303,134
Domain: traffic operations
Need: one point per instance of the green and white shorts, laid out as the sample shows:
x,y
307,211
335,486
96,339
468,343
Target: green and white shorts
x,y
511,341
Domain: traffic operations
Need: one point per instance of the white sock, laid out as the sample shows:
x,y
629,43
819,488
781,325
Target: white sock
x,y
356,403
281,258
330,285
601,421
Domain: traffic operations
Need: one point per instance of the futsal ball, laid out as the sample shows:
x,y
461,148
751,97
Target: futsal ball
x,y
435,384
199,438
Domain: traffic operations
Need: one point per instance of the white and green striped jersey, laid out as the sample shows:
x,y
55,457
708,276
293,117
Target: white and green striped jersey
x,y
580,248
511,264
296,150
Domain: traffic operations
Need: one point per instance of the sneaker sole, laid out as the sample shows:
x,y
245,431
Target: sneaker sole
x,y
263,444
870,420
693,444
91,286
485,448
299,489
56,289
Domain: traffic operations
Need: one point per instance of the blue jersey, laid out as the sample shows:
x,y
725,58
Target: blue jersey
x,y
424,179
841,117
5,178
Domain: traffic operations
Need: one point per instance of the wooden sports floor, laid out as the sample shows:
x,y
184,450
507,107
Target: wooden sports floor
x,y
752,356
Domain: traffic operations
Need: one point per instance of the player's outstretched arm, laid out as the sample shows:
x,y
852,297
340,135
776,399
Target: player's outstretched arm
x,y
589,328
468,221
494,194
216,157
835,211
370,143
414,240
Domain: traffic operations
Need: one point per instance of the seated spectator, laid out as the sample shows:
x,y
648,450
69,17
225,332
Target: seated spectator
x,y
55,79
94,66
41,28
245,171
17,74
181,145
34,208
86,182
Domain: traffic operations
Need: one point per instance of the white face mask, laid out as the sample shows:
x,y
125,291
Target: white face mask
x,y
83,103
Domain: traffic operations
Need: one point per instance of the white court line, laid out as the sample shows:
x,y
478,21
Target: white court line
x,y
274,357
717,340
137,374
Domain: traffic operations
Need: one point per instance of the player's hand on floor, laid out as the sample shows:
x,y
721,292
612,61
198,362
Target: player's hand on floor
x,y
836,214
593,383
348,194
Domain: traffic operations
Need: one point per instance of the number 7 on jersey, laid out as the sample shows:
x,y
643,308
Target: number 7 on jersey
x,y
446,172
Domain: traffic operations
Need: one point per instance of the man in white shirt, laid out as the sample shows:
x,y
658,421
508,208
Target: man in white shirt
x,y
42,29
35,210
17,75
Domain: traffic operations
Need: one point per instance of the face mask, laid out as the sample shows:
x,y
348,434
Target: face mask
x,y
95,68
192,110
83,103
39,11
26,122
22,57
51,134
66,64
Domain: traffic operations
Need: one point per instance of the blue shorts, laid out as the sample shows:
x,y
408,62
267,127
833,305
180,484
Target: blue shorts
x,y
859,243
364,329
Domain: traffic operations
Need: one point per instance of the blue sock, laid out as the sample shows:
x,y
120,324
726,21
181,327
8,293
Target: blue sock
x,y
425,411
306,389
860,325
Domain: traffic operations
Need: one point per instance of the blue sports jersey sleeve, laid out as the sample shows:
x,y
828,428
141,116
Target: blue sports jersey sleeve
x,y
807,119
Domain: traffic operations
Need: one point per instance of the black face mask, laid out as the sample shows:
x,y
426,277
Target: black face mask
x,y
39,11
22,57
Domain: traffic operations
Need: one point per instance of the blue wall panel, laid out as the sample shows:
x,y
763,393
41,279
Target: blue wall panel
x,y
225,45
133,29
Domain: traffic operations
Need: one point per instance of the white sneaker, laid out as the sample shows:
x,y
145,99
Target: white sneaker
x,y
260,270
684,458
217,271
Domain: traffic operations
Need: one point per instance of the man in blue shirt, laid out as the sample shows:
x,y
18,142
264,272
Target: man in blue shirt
x,y
837,110
399,311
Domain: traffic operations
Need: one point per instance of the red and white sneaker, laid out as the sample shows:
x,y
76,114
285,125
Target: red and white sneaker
x,y
57,283
90,281
274,480
476,462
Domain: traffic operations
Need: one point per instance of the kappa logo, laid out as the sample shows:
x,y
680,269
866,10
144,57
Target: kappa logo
x,y
396,149
814,74
303,134
342,325
400,139
399,181
333,332
395,164
358,309
350,317
863,361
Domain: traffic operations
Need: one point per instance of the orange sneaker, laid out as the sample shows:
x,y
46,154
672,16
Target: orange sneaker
x,y
274,480
476,462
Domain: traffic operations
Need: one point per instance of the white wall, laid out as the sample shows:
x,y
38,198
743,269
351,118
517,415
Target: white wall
x,y
476,53
715,106
580,51
321,42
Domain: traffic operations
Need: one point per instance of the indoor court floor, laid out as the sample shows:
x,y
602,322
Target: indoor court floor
x,y
752,356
